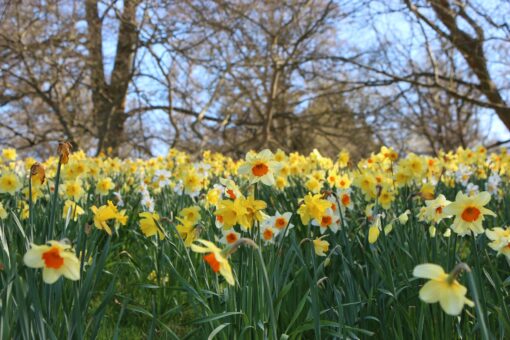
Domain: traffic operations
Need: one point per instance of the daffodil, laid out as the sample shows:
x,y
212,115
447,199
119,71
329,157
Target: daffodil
x,y
3,212
192,183
230,236
72,209
187,231
148,225
279,222
104,186
500,240
268,234
72,189
313,207
215,258
229,212
442,288
427,191
328,221
469,212
9,183
373,233
56,259
320,246
252,211
107,213
9,154
192,214
344,197
260,167
434,210
37,174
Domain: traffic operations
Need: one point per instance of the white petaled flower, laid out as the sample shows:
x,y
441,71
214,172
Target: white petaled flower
x,y
230,236
469,212
162,178
148,203
260,167
434,209
279,222
500,240
179,187
344,197
463,174
268,234
493,183
118,196
472,189
56,259
329,220
202,168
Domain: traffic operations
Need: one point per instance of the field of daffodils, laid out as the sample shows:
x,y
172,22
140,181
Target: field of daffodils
x,y
272,246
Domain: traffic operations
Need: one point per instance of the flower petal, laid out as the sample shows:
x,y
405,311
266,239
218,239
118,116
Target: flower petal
x,y
50,275
483,198
452,301
431,292
33,257
428,271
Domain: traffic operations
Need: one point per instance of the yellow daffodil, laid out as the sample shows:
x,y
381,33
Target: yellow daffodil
x,y
320,246
104,186
442,288
187,231
9,154
374,231
3,212
148,225
107,213
73,209
72,190
313,207
215,258
252,209
9,183
229,212
192,214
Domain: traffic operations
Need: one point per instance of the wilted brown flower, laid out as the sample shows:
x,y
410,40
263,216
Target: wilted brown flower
x,y
37,171
64,149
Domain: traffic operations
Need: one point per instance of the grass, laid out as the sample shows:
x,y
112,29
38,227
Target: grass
x,y
282,291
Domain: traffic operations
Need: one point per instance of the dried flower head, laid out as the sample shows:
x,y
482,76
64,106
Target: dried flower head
x,y
64,149
38,173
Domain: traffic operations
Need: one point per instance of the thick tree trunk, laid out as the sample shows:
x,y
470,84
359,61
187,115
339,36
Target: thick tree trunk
x,y
109,100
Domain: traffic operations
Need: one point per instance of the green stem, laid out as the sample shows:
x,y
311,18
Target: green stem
x,y
268,293
54,203
478,306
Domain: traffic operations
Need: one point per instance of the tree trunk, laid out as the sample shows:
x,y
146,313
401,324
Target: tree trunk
x,y
109,100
